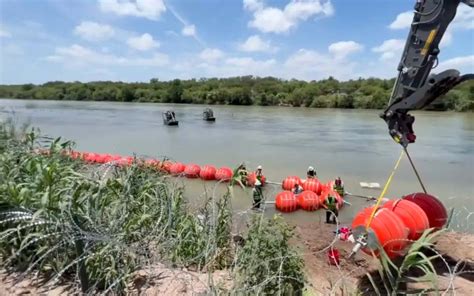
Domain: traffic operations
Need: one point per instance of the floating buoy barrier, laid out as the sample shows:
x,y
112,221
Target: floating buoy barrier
x,y
312,185
166,166
412,215
252,178
192,170
386,230
177,168
285,201
290,182
208,172
433,208
308,200
224,174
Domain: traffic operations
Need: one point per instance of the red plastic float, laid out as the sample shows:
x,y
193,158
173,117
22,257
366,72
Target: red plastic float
x,y
192,171
177,168
289,182
386,230
285,201
208,172
412,216
166,166
312,185
308,200
434,209
324,195
252,178
224,174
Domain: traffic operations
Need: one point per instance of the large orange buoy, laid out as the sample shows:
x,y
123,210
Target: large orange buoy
x,y
285,201
312,184
166,166
224,174
208,172
192,170
386,230
412,216
289,182
308,200
252,178
324,195
177,168
434,209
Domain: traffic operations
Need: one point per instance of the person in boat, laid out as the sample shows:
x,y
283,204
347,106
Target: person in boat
x,y
332,209
297,189
311,173
339,186
257,195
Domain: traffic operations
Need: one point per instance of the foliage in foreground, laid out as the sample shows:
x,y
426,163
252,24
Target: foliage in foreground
x,y
369,93
60,218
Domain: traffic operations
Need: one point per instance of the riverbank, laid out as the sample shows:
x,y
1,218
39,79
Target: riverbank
x,y
369,93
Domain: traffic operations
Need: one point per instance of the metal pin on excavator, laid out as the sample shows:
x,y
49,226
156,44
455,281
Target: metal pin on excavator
x,y
414,88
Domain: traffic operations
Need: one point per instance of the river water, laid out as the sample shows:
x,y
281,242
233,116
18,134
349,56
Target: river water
x,y
352,144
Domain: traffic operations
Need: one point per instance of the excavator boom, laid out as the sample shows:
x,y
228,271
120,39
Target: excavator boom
x,y
414,87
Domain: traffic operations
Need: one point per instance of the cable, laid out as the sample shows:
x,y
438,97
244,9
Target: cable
x,y
415,170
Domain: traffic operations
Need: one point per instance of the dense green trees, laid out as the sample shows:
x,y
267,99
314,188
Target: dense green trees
x,y
369,93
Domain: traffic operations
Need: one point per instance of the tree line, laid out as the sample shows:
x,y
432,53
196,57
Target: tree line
x,y
371,93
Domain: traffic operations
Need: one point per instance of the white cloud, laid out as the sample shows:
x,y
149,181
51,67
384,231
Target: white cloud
x,y
144,42
269,19
402,21
189,30
4,33
254,43
78,55
150,9
211,55
94,31
342,49
390,49
465,64
247,63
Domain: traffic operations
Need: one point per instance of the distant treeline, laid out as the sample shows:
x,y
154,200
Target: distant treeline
x,y
369,93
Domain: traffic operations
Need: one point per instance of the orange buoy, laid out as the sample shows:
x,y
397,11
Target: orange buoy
x,y
224,174
192,170
308,200
285,201
152,163
289,182
412,216
252,178
208,172
433,208
312,185
166,166
386,231
177,168
324,195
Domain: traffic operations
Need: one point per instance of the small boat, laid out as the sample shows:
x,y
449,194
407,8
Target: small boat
x,y
169,118
208,115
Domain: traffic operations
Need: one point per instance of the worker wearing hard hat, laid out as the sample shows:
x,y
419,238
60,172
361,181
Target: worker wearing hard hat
x,y
339,186
311,173
257,194
259,174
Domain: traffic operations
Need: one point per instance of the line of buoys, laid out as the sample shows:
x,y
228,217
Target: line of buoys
x,y
177,168
208,172
398,222
224,174
290,182
285,201
308,200
312,185
192,170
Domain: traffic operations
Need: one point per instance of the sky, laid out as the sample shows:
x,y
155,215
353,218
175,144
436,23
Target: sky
x,y
136,40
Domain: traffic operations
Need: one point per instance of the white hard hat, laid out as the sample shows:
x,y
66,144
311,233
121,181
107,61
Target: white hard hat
x,y
259,167
310,168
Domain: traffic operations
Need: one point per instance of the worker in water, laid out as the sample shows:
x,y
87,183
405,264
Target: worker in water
x,y
339,186
257,195
311,173
330,204
258,173
240,176
297,189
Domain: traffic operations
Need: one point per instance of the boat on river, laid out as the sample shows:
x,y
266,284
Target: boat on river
x,y
208,115
169,118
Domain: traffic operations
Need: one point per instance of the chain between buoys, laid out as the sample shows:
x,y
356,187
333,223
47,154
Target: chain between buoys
x,y
385,188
